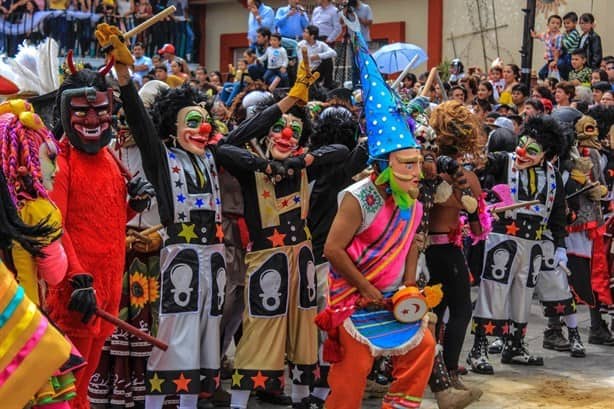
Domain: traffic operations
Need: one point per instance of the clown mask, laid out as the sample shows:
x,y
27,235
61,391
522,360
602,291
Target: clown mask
x,y
193,130
406,168
89,127
529,153
47,155
283,137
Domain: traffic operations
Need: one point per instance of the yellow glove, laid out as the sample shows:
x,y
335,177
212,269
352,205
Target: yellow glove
x,y
111,39
304,79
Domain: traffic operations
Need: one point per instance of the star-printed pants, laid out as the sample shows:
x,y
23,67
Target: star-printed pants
x,y
411,372
278,321
511,268
553,286
193,281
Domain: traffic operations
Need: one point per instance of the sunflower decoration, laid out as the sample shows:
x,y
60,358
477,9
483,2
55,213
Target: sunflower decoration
x,y
154,289
139,290
550,6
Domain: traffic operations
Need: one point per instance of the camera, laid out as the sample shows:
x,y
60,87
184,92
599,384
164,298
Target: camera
x,y
446,164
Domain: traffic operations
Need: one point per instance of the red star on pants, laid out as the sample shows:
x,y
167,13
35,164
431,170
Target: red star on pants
x,y
277,238
219,233
259,380
505,328
512,229
489,328
266,194
559,308
182,383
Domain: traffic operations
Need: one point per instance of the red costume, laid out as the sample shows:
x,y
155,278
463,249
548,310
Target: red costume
x,y
90,192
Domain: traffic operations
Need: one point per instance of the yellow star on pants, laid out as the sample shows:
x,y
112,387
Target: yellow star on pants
x,y
236,378
187,232
307,233
474,326
156,383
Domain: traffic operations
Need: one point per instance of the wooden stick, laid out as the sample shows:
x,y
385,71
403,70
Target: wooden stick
x,y
150,22
429,82
584,189
144,233
131,329
518,205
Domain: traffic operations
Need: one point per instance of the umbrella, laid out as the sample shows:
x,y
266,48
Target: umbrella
x,y
395,57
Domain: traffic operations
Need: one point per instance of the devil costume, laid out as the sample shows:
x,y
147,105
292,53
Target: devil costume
x,y
523,243
90,192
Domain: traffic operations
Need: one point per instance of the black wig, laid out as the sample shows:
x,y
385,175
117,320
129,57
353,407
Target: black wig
x,y
547,131
335,125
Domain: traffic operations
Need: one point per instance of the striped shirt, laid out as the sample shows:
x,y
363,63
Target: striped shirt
x,y
571,41
553,43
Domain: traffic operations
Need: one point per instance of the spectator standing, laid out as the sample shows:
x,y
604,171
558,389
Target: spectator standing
x,y
291,20
260,16
320,55
365,18
256,69
142,63
326,18
168,55
183,34
59,25
553,41
590,41
571,41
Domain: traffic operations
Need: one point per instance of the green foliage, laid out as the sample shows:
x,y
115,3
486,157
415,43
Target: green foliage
x,y
444,70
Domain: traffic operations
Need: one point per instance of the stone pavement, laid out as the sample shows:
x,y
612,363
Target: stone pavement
x,y
562,383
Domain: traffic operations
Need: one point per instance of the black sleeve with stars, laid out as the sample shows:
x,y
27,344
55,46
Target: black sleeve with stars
x,y
255,127
557,222
152,150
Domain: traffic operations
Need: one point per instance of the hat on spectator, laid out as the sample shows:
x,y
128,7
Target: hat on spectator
x,y
167,48
504,122
508,106
602,86
547,104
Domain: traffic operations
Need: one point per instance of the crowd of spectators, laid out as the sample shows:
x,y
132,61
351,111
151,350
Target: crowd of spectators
x,y
72,23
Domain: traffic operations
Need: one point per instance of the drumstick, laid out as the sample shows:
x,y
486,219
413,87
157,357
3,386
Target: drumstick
x,y
584,189
144,233
131,329
429,82
150,22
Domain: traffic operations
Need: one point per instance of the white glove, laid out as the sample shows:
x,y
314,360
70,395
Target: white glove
x,y
560,256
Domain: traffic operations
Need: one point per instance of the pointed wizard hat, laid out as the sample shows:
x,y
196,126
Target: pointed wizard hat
x,y
387,128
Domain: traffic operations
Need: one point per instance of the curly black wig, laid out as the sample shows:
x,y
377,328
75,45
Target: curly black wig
x,y
604,116
82,78
170,101
335,125
547,131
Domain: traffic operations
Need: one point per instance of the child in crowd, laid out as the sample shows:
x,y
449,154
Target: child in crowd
x,y
571,41
590,41
552,39
581,74
276,61
495,77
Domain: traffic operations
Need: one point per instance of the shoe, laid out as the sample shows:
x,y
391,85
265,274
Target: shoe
x,y
496,346
458,384
515,352
310,402
454,399
478,358
577,348
555,340
280,399
601,335
375,390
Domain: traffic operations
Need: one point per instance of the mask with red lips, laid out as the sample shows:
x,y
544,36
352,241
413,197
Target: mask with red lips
x,y
88,123
283,137
529,153
193,129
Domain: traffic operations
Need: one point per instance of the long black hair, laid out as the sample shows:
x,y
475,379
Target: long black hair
x,y
13,229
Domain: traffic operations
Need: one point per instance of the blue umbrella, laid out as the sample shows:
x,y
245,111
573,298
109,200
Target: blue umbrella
x,y
393,58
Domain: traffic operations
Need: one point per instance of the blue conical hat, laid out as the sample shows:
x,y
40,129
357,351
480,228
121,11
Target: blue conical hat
x,y
387,128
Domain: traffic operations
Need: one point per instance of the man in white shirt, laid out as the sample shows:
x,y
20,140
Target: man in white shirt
x,y
326,18
321,56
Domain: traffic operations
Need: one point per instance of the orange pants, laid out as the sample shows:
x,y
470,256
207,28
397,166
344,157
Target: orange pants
x,y
411,372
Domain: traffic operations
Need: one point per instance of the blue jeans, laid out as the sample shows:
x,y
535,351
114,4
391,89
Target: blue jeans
x,y
270,75
230,91
256,71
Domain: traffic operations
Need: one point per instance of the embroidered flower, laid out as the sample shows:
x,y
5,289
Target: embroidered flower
x,y
370,199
